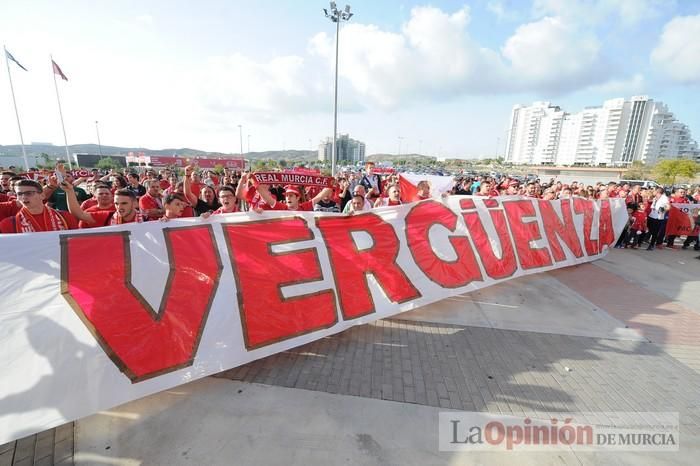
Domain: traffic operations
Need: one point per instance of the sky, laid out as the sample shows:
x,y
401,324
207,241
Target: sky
x,y
436,78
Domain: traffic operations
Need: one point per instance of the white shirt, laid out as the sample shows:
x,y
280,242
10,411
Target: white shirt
x,y
659,207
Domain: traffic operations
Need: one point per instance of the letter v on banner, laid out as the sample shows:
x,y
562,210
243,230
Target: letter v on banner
x,y
141,342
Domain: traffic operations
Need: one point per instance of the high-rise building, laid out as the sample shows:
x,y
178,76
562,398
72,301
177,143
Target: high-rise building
x,y
616,134
350,151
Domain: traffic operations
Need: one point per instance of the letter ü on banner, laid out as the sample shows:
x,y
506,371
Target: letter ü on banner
x,y
95,318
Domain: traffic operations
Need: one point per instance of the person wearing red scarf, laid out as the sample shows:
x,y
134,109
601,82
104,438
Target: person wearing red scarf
x,y
125,205
34,216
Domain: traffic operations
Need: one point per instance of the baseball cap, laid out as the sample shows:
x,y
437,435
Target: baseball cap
x,y
289,189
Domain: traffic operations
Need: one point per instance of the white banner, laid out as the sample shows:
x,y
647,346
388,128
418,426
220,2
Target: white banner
x,y
95,318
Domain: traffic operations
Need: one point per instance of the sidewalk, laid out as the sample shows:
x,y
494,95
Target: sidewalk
x,y
620,334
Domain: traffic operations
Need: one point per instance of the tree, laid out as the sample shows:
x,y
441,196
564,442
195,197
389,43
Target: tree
x,y
282,163
46,159
218,169
107,164
668,170
638,171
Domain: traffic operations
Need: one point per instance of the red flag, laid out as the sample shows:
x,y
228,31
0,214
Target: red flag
x,y
57,70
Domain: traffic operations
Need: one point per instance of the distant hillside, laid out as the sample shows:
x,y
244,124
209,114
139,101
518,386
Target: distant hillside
x,y
59,151
396,157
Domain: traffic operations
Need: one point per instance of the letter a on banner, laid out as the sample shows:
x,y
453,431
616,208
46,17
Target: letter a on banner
x,y
142,343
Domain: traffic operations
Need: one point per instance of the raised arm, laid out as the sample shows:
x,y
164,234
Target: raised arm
x,y
324,192
267,196
191,198
242,186
74,206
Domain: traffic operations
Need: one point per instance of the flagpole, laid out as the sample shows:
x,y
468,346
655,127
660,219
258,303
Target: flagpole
x,y
14,101
60,113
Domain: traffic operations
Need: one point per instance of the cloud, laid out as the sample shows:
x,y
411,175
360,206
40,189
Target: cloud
x,y
266,90
432,57
677,53
630,86
626,12
553,53
500,11
144,19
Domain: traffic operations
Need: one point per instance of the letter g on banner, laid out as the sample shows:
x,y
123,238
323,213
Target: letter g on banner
x,y
141,342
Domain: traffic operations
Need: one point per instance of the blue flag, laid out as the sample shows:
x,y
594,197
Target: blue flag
x,y
10,57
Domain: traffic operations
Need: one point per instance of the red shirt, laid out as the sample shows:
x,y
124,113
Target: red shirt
x,y
8,225
188,211
8,209
220,210
679,200
639,221
148,202
103,218
303,206
164,184
89,203
92,210
252,197
196,188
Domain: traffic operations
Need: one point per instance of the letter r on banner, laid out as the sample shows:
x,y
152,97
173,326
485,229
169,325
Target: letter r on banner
x,y
351,265
142,343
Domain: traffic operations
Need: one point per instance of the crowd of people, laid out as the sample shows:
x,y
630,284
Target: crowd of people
x,y
48,201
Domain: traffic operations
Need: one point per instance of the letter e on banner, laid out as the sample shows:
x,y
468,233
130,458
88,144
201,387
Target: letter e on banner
x,y
266,315
143,343
526,232
448,274
351,265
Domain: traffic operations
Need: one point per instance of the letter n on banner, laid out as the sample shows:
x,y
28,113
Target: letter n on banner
x,y
351,265
524,233
141,342
266,315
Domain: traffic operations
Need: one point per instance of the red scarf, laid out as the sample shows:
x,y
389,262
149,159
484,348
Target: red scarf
x,y
25,222
118,220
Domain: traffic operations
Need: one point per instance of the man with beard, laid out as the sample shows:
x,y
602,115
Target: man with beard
x,y
125,205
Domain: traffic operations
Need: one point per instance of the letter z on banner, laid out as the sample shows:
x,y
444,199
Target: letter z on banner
x,y
94,318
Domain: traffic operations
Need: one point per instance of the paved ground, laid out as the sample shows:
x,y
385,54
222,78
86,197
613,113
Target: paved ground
x,y
621,334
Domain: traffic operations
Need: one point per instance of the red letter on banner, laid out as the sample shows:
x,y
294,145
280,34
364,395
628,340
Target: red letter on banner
x,y
495,267
350,265
606,232
266,315
585,207
525,232
448,274
555,229
141,342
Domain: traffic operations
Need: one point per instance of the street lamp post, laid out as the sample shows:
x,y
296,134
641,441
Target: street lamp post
x,y
336,16
249,144
240,130
99,144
